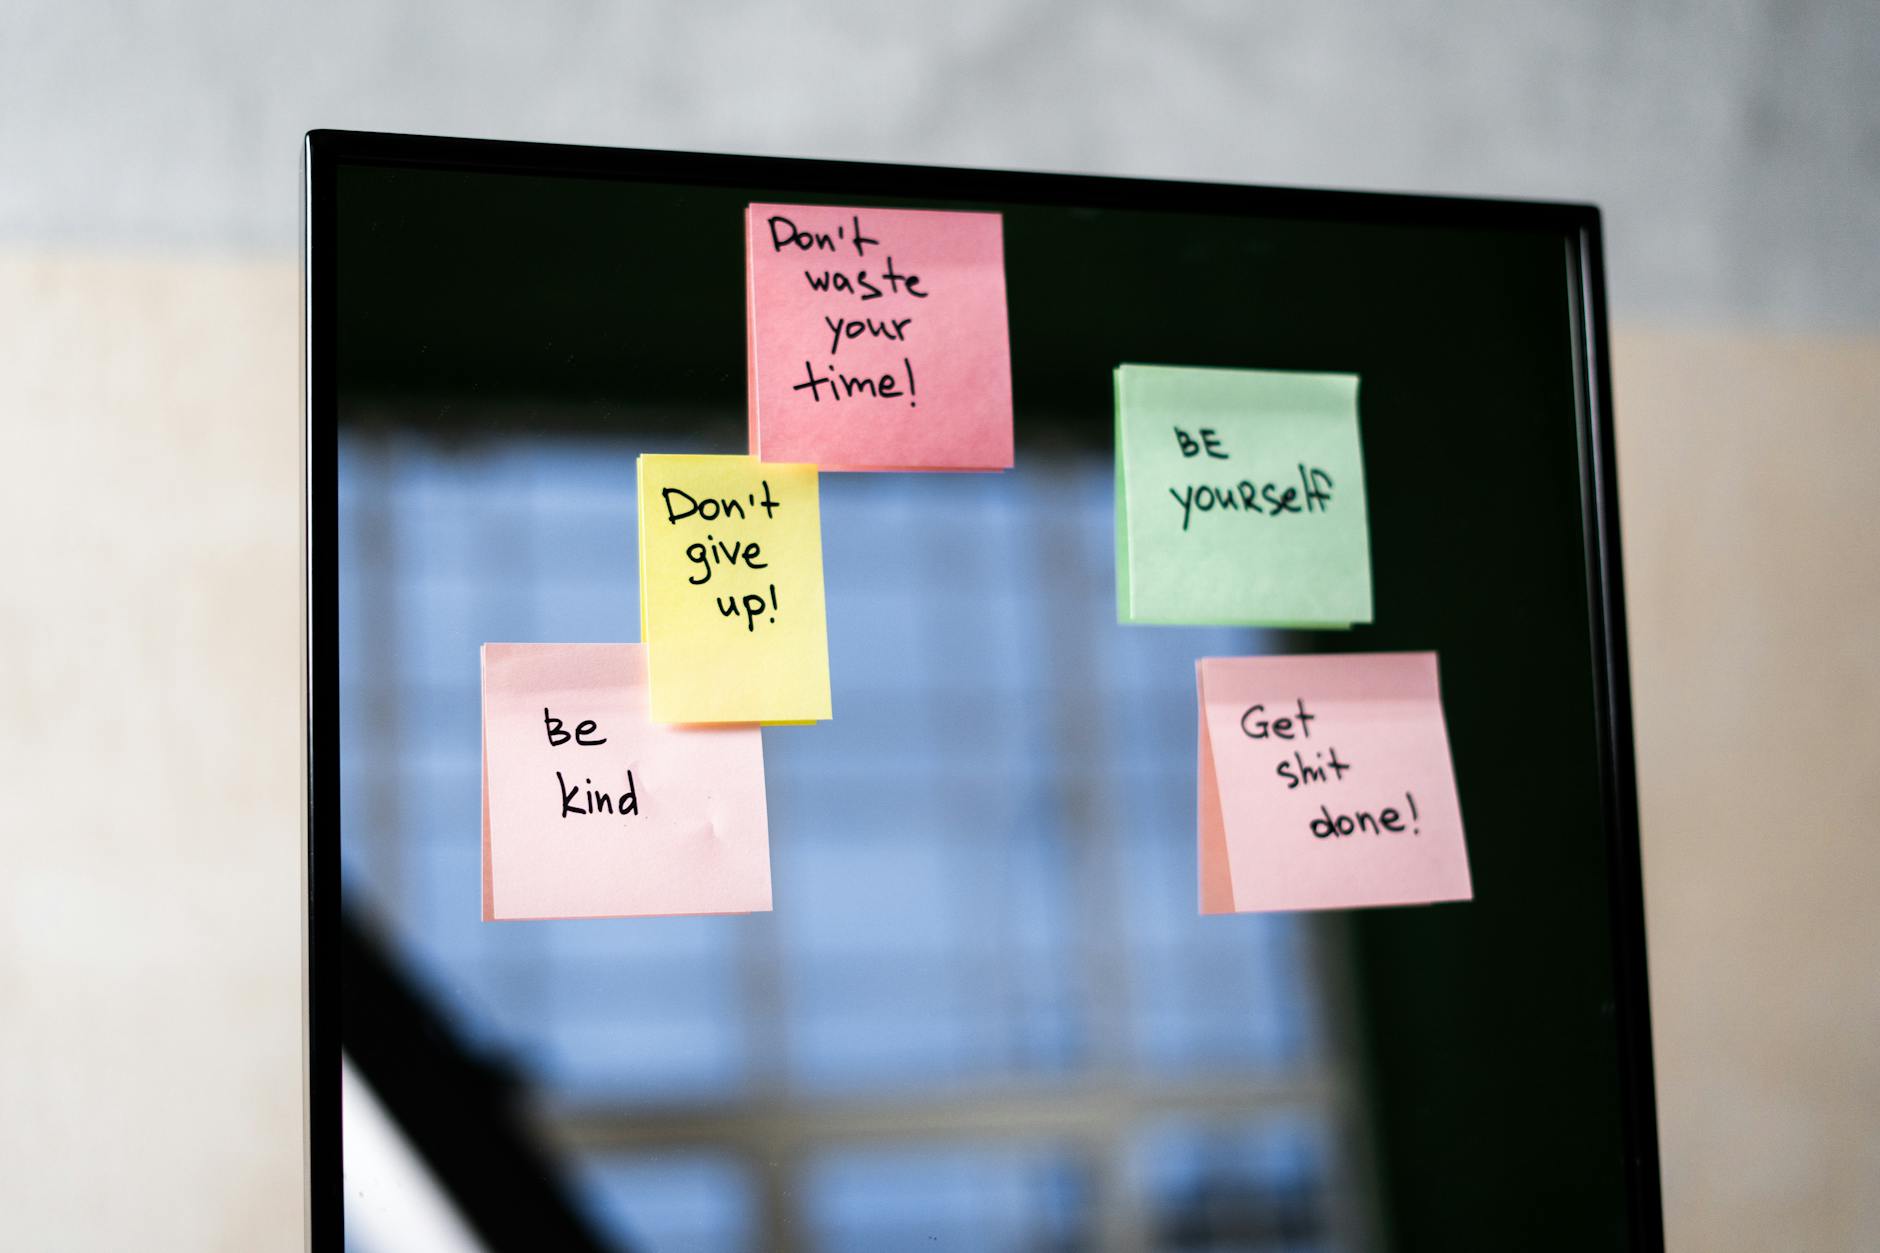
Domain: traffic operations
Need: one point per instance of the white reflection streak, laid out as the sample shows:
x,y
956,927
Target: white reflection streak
x,y
393,1204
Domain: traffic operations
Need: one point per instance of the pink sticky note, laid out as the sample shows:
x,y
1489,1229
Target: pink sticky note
x,y
1326,783
591,810
877,338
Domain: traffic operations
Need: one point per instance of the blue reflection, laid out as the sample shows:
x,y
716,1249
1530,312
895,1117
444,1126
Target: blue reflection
x,y
984,865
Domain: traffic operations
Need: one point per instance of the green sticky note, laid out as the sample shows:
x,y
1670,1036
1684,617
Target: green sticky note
x,y
1240,498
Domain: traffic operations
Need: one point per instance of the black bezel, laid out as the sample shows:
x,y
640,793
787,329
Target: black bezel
x,y
1577,225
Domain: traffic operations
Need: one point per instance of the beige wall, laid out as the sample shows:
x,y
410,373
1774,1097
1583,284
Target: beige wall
x,y
149,960
149,757
1749,474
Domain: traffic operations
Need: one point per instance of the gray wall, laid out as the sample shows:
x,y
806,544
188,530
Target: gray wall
x,y
1734,144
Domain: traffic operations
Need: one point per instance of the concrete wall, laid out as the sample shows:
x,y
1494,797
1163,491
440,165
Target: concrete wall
x,y
148,441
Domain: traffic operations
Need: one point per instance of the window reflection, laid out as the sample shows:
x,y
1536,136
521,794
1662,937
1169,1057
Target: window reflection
x,y
985,1013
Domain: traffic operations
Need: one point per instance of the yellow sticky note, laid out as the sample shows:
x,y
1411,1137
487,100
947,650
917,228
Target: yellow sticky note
x,y
731,590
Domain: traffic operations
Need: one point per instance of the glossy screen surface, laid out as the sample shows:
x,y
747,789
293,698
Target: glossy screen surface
x,y
985,1013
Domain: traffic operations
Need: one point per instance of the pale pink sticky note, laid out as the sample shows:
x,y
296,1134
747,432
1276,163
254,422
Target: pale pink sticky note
x,y
1326,783
877,338
591,810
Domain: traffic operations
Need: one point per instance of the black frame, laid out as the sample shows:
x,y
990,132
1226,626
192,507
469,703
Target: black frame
x,y
1577,224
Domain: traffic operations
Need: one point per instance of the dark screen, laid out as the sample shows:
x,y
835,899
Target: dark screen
x,y
1458,1066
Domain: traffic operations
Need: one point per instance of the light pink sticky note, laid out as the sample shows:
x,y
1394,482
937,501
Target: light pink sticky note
x,y
877,338
591,810
1326,783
